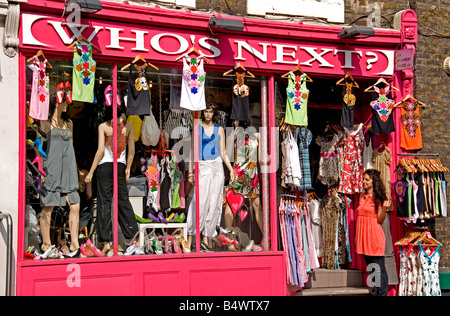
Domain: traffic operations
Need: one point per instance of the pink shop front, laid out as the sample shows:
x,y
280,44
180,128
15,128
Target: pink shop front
x,y
239,249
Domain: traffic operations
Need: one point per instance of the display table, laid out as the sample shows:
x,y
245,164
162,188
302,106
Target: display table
x,y
142,228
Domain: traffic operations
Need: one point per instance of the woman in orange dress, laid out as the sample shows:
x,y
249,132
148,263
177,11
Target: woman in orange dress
x,y
370,239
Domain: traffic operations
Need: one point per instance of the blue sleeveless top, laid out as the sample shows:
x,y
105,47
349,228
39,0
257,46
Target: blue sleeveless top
x,y
210,145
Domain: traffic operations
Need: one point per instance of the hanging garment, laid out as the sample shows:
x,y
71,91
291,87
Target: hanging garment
x,y
193,84
367,154
370,239
389,259
403,273
152,173
304,140
382,106
430,266
166,182
381,160
297,100
415,275
316,225
246,166
411,134
348,105
443,194
352,170
401,187
138,95
178,123
293,171
314,260
300,248
329,209
176,182
284,239
240,107
328,163
61,168
40,98
83,76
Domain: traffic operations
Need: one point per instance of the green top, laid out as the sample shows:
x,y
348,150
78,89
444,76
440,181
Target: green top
x,y
83,75
297,100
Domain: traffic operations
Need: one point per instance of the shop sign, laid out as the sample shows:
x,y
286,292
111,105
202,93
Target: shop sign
x,y
404,59
162,44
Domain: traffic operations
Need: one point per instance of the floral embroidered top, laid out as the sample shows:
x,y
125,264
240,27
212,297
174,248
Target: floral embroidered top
x,y
411,134
382,106
83,76
297,100
193,84
39,101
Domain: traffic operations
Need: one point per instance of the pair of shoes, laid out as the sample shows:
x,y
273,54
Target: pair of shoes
x,y
38,161
157,246
184,245
50,253
159,219
64,92
180,218
204,247
88,249
109,97
225,240
134,249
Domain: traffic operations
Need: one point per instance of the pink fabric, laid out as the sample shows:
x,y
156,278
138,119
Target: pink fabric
x,y
314,261
301,252
284,240
40,97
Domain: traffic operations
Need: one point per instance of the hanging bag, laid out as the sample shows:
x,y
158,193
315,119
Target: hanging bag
x,y
150,131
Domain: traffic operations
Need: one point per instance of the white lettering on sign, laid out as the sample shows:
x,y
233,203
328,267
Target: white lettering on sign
x,y
261,56
174,44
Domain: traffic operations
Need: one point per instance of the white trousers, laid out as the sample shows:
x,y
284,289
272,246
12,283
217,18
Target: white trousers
x,y
211,181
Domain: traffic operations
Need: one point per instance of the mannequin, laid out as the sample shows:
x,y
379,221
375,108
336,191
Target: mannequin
x,y
61,184
103,162
245,169
211,178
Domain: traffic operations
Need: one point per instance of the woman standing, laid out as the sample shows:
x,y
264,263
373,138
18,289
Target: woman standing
x,y
370,239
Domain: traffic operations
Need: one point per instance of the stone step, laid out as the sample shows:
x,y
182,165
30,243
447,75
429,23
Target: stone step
x,y
336,291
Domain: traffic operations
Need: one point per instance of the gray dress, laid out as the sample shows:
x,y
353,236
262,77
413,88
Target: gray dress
x,y
61,169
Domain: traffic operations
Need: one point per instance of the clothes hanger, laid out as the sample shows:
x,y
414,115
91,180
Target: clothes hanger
x,y
80,39
193,50
238,68
40,53
381,80
139,60
409,96
299,69
348,80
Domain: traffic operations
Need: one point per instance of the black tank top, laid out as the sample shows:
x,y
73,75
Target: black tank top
x,y
139,101
382,116
240,108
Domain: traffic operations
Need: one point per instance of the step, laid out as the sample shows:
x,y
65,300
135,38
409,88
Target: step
x,y
323,278
336,291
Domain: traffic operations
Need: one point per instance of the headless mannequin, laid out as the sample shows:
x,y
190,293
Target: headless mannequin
x,y
255,201
208,127
46,213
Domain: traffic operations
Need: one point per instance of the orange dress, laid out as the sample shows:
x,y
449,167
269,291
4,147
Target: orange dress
x,y
411,134
370,239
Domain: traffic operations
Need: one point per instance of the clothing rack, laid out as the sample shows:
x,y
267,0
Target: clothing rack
x,y
418,154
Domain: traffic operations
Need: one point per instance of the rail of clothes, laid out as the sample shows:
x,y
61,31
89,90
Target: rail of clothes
x,y
314,233
419,264
421,189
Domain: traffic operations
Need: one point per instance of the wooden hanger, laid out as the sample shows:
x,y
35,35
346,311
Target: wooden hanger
x,y
139,60
348,79
409,96
80,39
299,69
193,50
40,53
381,80
238,68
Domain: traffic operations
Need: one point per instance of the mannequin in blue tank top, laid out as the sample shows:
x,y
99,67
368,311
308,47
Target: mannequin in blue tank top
x,y
211,156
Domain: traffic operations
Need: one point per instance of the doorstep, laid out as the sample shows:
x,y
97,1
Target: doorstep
x,y
336,291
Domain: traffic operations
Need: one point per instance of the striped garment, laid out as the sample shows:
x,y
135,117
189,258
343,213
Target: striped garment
x,y
304,139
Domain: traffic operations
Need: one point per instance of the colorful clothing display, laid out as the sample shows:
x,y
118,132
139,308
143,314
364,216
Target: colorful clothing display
x,y
411,134
193,84
297,100
382,105
352,169
83,77
40,98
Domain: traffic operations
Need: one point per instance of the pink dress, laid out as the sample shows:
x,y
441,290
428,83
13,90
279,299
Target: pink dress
x,y
40,97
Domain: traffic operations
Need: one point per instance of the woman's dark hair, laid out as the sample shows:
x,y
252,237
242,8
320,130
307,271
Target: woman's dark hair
x,y
379,191
215,108
52,109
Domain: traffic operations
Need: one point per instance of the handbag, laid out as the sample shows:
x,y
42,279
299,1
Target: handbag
x,y
150,132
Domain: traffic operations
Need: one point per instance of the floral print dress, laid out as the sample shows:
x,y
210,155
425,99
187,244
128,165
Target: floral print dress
x,y
245,167
329,161
352,170
83,77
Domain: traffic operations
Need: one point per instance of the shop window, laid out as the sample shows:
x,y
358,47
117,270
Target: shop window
x,y
160,217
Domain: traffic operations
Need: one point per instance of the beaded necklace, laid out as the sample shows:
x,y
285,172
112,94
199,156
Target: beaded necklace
x,y
66,127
